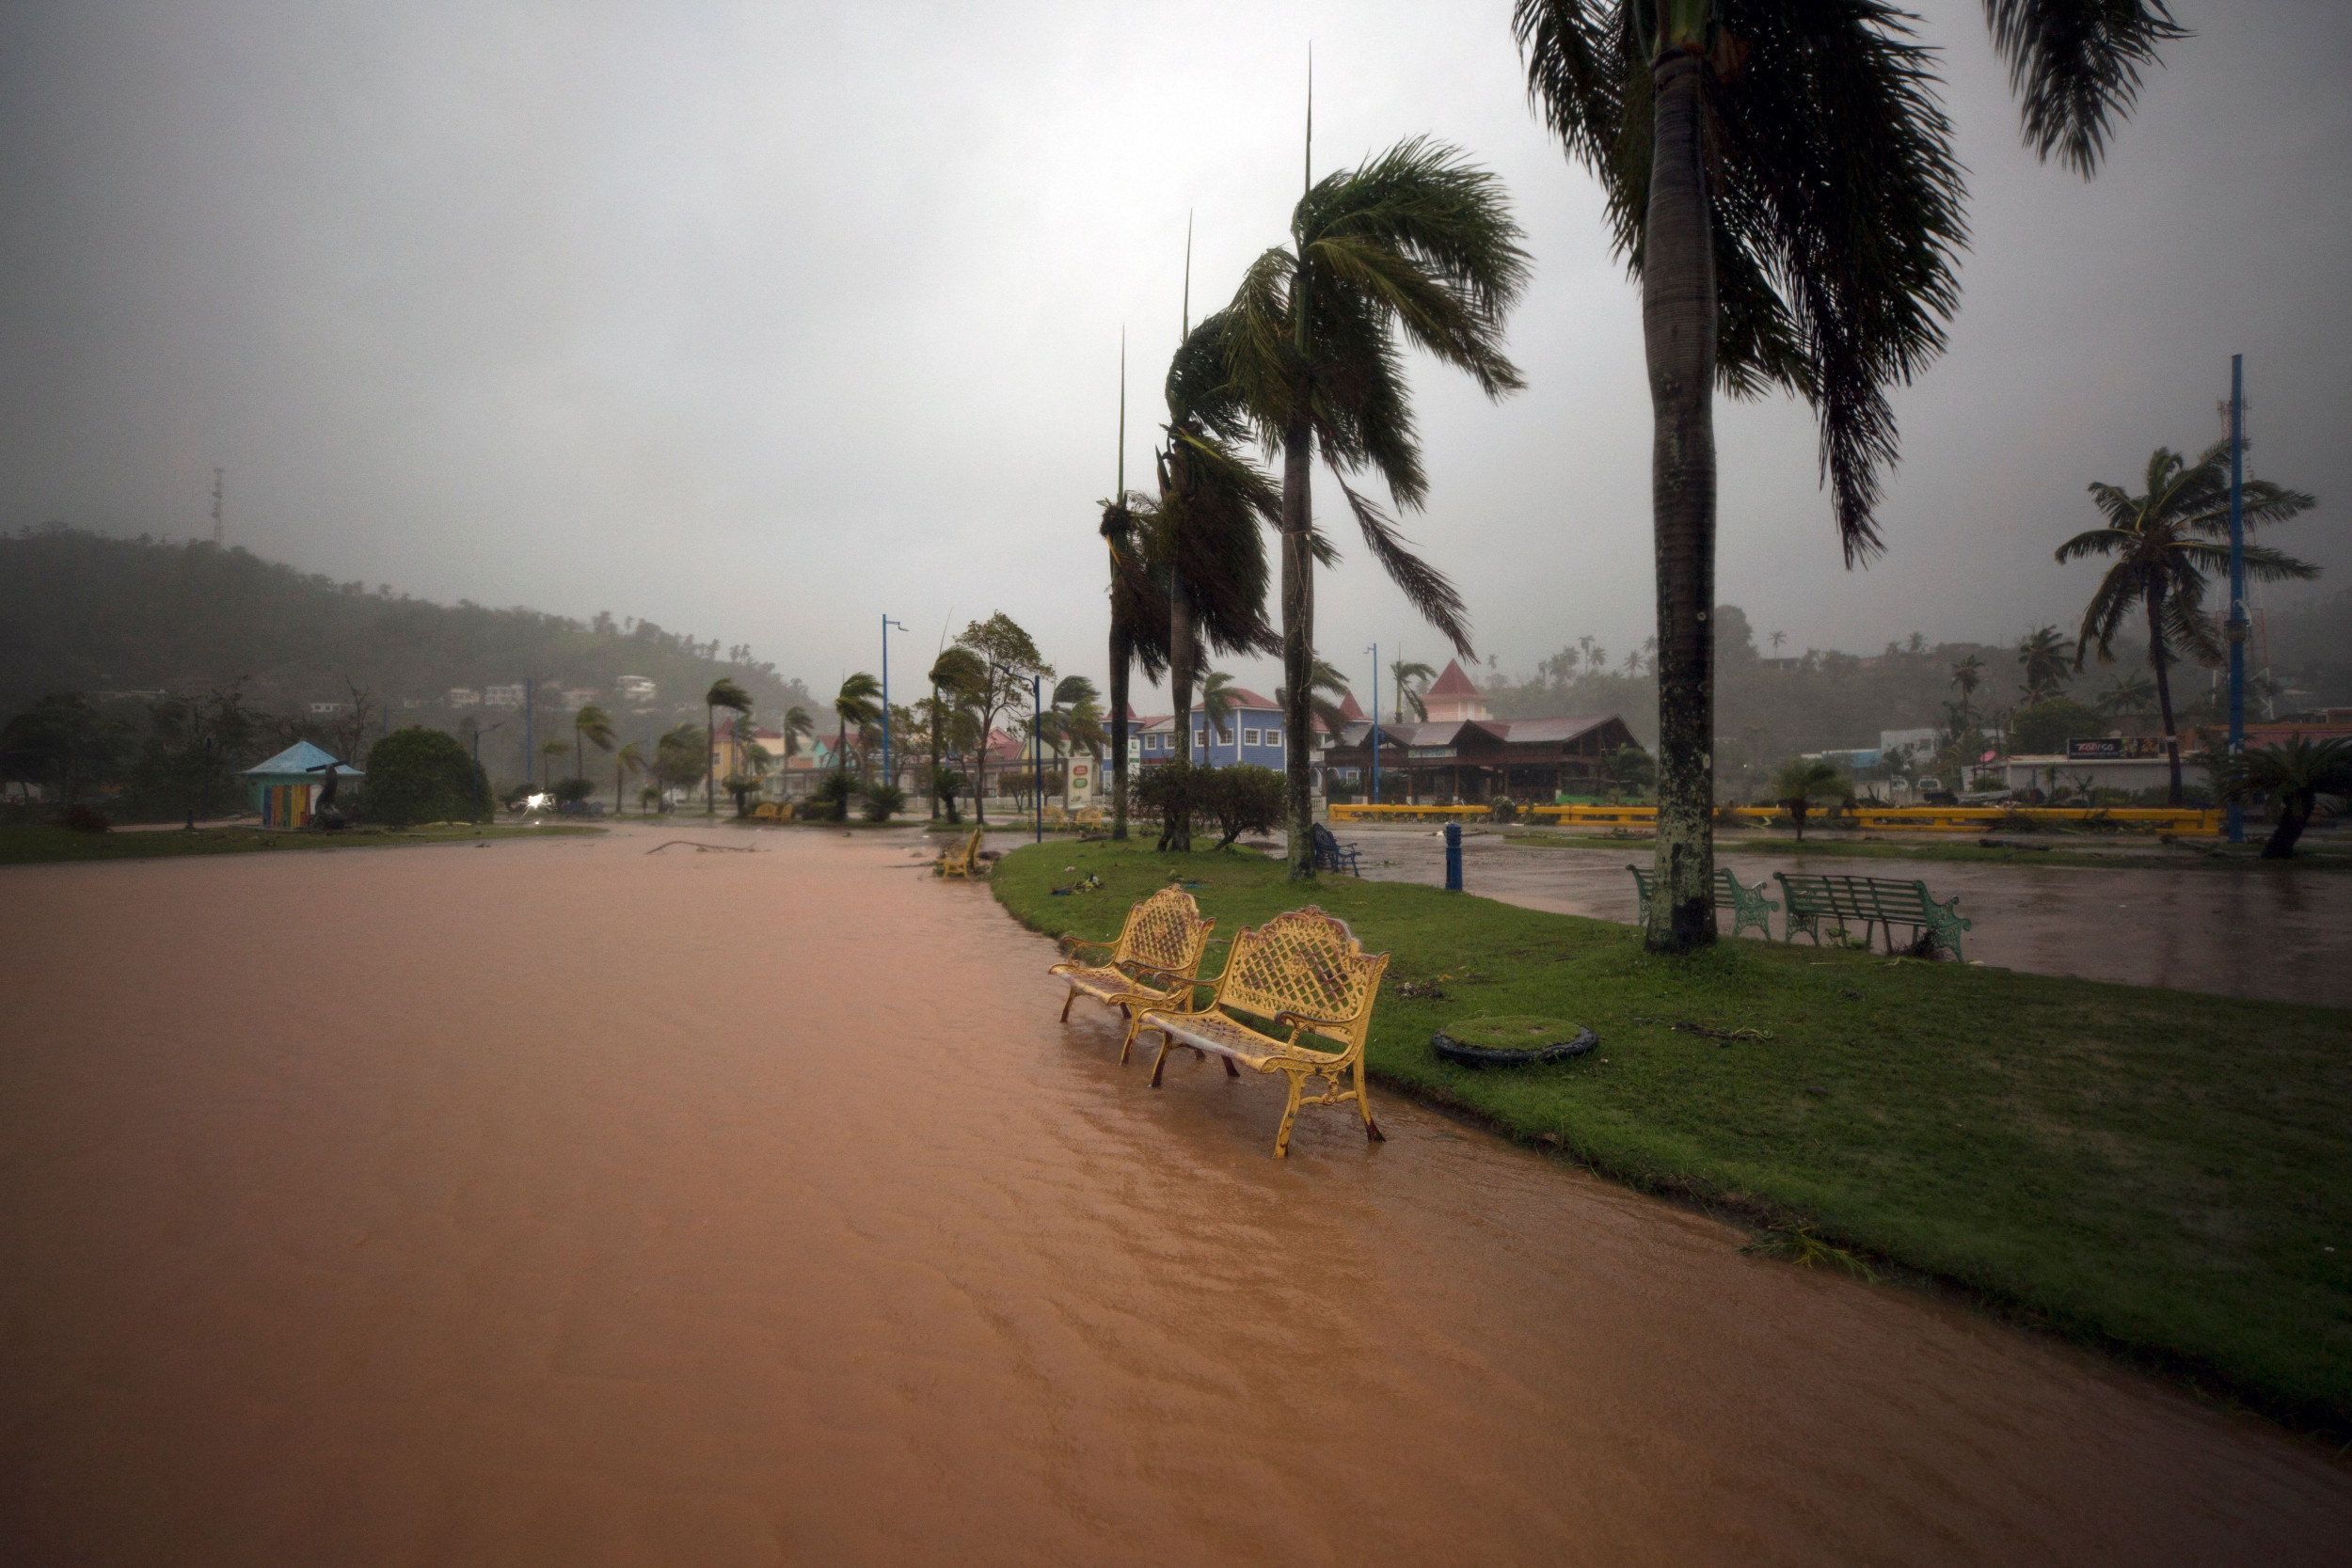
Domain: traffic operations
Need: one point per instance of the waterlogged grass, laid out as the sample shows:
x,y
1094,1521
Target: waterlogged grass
x,y
2157,1171
2062,850
27,846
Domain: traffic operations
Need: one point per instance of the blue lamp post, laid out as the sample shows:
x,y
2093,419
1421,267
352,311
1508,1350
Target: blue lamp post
x,y
888,777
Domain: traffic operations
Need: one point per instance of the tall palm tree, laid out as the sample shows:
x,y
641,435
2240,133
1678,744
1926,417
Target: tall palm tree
x,y
795,726
1328,684
1218,696
1967,675
1780,178
2043,653
859,703
1403,673
1415,245
628,759
1204,533
550,749
723,693
2163,543
2130,694
2291,776
1140,625
591,726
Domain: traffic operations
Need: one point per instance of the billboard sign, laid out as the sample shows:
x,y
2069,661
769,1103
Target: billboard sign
x,y
2115,748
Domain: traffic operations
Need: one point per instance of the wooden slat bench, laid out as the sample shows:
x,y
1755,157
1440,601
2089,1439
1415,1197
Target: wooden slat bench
x,y
965,862
1302,971
1872,901
1748,905
1151,965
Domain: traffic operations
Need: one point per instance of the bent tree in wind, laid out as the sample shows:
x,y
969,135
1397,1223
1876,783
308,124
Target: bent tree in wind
x,y
1415,245
1780,178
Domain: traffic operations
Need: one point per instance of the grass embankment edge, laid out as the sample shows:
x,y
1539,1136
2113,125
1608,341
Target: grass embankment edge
x,y
2157,1174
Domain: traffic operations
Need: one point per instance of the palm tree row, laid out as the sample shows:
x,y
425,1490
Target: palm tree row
x,y
1415,245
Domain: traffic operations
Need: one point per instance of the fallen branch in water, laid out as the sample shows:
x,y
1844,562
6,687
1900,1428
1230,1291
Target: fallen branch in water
x,y
730,849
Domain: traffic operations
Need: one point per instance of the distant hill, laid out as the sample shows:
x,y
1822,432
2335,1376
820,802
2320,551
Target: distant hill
x,y
87,612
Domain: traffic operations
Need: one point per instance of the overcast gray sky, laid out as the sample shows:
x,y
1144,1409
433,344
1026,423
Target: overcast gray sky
x,y
764,320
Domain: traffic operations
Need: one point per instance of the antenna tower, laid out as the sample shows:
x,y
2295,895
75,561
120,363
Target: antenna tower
x,y
217,478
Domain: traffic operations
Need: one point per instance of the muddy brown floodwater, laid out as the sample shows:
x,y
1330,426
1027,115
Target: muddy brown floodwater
x,y
563,1203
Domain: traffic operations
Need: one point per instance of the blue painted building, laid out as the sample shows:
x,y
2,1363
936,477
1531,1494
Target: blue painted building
x,y
1251,733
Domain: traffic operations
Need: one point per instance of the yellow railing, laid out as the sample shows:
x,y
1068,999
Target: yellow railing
x,y
1365,812
1931,819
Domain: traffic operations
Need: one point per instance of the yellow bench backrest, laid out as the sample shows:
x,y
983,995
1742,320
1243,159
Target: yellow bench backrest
x,y
1307,962
1164,931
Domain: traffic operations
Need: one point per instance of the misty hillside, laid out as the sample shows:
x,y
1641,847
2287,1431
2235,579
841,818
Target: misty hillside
x,y
86,612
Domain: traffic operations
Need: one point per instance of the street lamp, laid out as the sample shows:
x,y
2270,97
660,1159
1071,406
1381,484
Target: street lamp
x,y
478,733
1374,652
1037,750
888,777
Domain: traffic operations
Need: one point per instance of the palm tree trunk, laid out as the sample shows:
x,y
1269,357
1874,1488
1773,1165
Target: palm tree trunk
x,y
1180,665
1298,637
2294,807
939,742
710,759
1122,654
1678,339
2159,656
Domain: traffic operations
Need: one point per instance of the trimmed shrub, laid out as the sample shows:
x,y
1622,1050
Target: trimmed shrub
x,y
882,800
82,818
419,775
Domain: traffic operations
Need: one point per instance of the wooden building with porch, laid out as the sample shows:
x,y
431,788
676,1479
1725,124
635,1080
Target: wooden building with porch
x,y
1480,759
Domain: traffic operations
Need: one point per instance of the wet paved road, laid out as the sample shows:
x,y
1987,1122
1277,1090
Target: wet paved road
x,y
2279,932
561,1203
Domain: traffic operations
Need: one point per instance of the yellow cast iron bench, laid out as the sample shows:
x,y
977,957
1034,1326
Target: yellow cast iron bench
x,y
965,862
1303,971
1153,963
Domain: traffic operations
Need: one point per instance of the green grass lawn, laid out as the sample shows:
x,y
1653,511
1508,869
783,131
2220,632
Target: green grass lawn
x,y
27,846
2156,1171
2062,851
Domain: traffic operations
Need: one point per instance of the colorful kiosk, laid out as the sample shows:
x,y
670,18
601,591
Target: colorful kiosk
x,y
282,788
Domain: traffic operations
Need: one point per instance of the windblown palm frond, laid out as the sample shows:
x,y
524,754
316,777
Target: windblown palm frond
x,y
1834,201
1139,582
2073,66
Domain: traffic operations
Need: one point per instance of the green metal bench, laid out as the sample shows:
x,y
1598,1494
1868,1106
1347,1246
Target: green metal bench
x,y
1748,905
1872,901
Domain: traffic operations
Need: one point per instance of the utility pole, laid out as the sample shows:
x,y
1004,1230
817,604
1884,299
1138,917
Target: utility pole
x,y
219,534
530,701
2236,625
1374,652
1037,750
888,777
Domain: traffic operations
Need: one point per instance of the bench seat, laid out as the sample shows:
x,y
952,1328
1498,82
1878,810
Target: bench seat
x,y
1150,964
1303,971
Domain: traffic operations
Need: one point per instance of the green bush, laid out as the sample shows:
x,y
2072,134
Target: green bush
x,y
833,798
570,792
421,775
1239,799
882,800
